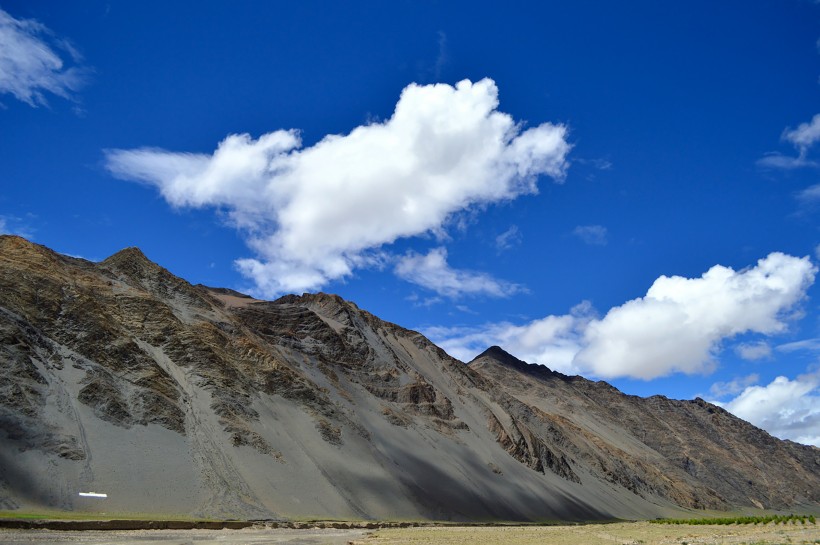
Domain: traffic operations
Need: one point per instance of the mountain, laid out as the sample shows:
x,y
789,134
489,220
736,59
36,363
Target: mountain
x,y
695,453
120,378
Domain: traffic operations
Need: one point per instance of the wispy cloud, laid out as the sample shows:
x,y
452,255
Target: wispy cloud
x,y
418,301
785,162
810,196
805,344
442,57
12,225
508,239
598,163
33,62
733,387
803,137
677,327
314,215
594,235
432,271
754,351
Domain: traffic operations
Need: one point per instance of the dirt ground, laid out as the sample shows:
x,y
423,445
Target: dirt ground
x,y
593,534
600,534
248,536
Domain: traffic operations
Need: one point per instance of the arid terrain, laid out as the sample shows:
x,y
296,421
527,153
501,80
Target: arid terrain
x,y
590,534
122,379
599,534
249,536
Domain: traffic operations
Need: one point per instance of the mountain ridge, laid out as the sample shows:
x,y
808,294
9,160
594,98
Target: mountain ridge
x,y
120,377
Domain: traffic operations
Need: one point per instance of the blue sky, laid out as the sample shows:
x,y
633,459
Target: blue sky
x,y
623,190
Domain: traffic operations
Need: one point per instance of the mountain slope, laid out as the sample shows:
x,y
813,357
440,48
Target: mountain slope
x,y
697,453
121,378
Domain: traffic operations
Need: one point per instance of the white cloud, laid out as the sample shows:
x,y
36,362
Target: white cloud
x,y
29,64
810,195
678,326
425,302
806,344
805,135
594,235
785,162
442,57
12,225
600,163
552,341
802,138
789,409
733,387
753,351
680,322
315,214
509,238
432,271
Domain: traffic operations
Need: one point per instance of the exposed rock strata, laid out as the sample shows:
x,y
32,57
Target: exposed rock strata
x,y
120,377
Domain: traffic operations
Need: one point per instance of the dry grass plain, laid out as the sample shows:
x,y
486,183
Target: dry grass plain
x,y
591,534
600,534
248,536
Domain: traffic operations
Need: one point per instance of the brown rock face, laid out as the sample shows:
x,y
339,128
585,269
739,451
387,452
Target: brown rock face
x,y
692,452
121,378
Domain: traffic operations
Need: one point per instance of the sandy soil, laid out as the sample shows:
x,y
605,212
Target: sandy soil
x,y
599,534
248,536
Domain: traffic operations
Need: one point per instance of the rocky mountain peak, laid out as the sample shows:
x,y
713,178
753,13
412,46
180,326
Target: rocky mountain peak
x,y
499,356
131,261
12,242
26,253
133,267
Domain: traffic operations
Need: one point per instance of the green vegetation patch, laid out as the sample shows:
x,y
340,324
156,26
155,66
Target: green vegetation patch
x,y
764,519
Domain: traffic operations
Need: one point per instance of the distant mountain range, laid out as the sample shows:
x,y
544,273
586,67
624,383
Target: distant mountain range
x,y
121,379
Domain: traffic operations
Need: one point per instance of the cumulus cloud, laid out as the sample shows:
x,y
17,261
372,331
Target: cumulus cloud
x,y
803,137
315,214
552,340
680,322
789,409
677,327
31,64
432,271
594,235
753,351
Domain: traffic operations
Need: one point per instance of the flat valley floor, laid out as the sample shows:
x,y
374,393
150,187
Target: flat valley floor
x,y
600,534
592,534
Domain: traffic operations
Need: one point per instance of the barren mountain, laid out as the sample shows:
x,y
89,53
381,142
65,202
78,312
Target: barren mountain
x,y
120,378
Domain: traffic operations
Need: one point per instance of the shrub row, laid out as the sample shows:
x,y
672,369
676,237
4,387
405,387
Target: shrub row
x,y
777,519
